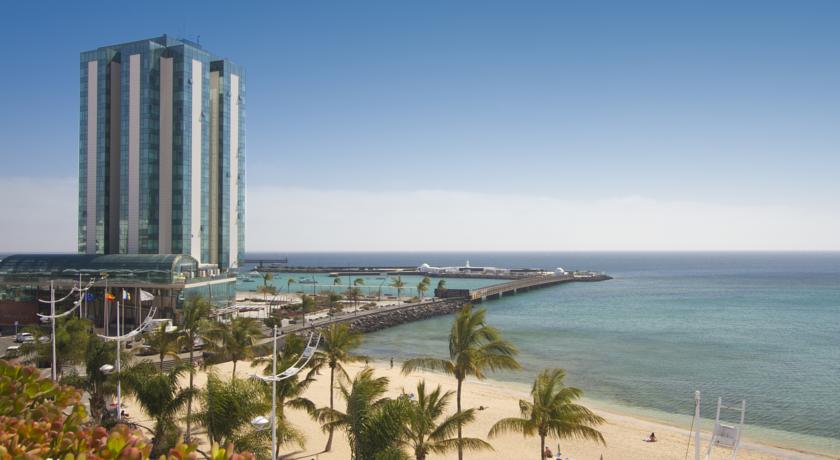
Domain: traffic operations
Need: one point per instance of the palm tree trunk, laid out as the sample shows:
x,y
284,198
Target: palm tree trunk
x,y
233,375
458,399
542,447
332,386
189,400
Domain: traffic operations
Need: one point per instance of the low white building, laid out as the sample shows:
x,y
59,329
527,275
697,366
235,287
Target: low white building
x,y
465,269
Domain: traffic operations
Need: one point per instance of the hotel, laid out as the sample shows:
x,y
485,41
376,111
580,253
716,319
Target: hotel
x,y
162,152
161,187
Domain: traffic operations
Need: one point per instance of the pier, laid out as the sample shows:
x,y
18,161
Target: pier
x,y
496,291
447,301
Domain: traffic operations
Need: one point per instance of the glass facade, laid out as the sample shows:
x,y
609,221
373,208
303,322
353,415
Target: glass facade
x,y
126,196
170,278
134,269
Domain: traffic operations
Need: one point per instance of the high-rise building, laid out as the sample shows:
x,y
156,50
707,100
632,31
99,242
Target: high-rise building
x,y
162,152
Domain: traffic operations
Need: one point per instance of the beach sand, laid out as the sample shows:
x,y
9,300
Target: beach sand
x,y
624,434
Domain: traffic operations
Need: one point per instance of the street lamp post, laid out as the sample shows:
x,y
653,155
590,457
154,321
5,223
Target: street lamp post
x,y
52,315
260,422
119,368
274,398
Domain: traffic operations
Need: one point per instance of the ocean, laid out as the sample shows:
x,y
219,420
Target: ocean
x,y
763,327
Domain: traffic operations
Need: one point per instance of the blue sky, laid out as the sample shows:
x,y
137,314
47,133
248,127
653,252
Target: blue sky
x,y
687,105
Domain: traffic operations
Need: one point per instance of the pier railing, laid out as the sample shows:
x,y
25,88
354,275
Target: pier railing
x,y
521,284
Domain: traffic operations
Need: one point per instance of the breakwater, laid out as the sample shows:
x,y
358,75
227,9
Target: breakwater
x,y
448,301
414,312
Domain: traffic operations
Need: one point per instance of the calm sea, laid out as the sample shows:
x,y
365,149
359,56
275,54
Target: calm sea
x,y
764,327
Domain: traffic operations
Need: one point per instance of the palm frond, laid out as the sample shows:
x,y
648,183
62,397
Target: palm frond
x,y
513,425
448,445
432,364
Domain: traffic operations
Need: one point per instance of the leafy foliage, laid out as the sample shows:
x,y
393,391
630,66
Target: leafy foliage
x,y
161,398
40,419
195,327
474,347
228,406
98,384
164,343
72,335
424,433
373,424
552,412
289,391
398,284
236,339
338,342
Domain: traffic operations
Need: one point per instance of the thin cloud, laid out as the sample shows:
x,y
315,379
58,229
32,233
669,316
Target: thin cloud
x,y
303,219
41,215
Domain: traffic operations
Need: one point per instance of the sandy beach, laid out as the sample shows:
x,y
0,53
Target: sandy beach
x,y
624,434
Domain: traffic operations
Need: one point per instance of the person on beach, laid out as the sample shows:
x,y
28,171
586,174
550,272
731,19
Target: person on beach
x,y
651,438
392,362
547,453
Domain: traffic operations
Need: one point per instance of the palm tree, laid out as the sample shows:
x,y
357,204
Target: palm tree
x,y
552,412
289,285
337,281
338,341
98,384
236,340
332,300
423,434
266,277
307,303
71,335
399,285
196,327
441,286
227,408
423,286
355,293
372,423
161,398
266,290
164,343
473,348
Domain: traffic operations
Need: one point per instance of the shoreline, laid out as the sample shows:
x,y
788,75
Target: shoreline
x,y
782,444
623,432
658,420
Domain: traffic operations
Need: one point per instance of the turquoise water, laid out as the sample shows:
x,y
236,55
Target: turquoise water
x,y
372,286
764,327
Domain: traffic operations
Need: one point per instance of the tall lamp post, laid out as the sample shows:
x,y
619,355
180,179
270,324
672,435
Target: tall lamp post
x,y
52,317
261,422
119,338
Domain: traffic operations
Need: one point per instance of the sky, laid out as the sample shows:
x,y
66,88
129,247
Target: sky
x,y
471,125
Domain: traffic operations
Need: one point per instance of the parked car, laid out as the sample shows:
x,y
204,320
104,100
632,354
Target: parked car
x,y
13,351
146,350
198,344
24,337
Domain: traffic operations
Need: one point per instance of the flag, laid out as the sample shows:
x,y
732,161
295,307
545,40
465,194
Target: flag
x,y
109,296
146,296
126,295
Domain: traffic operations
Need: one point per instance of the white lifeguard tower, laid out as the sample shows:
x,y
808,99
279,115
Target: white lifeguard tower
x,y
724,435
